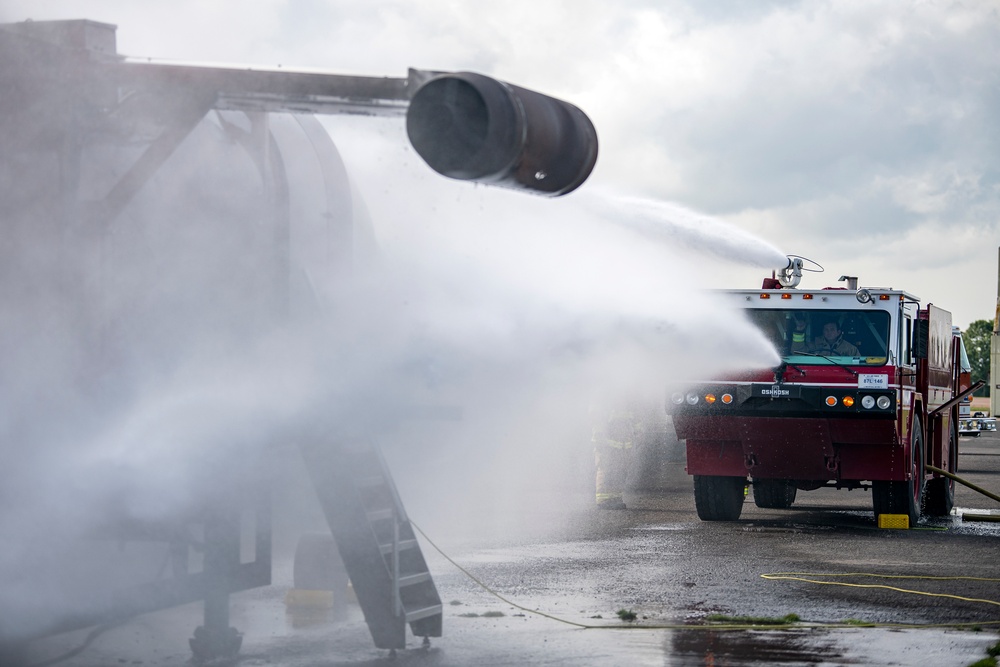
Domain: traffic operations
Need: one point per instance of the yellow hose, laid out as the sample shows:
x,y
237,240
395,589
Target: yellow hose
x,y
963,482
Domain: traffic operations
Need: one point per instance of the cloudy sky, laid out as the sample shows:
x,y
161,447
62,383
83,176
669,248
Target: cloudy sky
x,y
859,133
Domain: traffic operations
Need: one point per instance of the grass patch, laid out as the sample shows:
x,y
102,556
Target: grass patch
x,y
627,615
858,622
993,652
787,619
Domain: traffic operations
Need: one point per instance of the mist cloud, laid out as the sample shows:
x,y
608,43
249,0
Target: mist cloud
x,y
855,133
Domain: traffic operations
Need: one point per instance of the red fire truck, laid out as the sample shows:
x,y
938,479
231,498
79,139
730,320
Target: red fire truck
x,y
865,395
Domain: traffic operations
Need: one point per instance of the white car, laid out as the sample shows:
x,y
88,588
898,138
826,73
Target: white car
x,y
977,423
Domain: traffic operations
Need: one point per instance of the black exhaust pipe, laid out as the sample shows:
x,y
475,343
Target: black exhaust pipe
x,y
471,127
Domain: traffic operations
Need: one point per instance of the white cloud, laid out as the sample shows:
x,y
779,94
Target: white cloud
x,y
932,193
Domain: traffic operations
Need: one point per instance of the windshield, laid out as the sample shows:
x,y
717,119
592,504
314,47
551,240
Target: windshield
x,y
826,336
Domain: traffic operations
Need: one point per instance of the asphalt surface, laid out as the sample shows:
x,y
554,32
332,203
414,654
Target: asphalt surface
x,y
933,591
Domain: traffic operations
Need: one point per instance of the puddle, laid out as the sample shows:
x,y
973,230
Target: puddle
x,y
706,647
906,648
662,527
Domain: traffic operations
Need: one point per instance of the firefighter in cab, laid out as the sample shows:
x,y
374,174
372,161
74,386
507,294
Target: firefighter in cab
x,y
830,343
615,433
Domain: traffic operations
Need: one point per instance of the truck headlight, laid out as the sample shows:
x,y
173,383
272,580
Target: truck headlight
x,y
868,402
692,398
883,402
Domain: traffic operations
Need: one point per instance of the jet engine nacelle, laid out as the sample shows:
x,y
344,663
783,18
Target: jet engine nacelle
x,y
471,127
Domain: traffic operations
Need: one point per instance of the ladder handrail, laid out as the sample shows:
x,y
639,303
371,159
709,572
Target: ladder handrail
x,y
398,518
396,500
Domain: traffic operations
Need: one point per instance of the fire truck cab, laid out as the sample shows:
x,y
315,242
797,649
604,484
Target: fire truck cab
x,y
866,394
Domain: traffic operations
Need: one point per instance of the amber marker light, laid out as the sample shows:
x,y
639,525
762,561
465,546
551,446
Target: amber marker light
x,y
786,296
831,401
807,296
710,398
727,398
883,297
765,296
848,401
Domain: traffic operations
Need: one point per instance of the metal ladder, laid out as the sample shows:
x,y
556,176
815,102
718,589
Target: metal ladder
x,y
376,541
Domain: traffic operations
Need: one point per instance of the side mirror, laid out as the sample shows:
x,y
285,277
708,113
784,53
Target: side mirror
x,y
471,127
921,335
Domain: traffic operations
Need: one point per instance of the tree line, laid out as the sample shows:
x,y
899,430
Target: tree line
x,y
978,338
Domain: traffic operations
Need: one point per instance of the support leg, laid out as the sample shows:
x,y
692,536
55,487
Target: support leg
x,y
215,639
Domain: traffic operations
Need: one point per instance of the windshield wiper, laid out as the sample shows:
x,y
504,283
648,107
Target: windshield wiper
x,y
835,363
779,370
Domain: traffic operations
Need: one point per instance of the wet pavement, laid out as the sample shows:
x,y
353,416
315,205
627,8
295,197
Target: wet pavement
x,y
274,636
935,596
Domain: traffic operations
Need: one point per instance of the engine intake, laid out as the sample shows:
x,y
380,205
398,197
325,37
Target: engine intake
x,y
471,127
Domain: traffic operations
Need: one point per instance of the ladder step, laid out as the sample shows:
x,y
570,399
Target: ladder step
x,y
413,579
389,573
403,545
417,614
380,515
358,448
370,482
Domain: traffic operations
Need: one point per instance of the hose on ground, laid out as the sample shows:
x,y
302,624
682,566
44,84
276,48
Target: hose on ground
x,y
806,577
977,489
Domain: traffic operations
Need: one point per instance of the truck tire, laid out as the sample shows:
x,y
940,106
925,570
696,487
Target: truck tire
x,y
719,498
775,494
939,498
894,497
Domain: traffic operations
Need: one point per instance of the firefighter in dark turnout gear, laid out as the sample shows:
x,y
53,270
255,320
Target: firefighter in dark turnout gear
x,y
614,436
